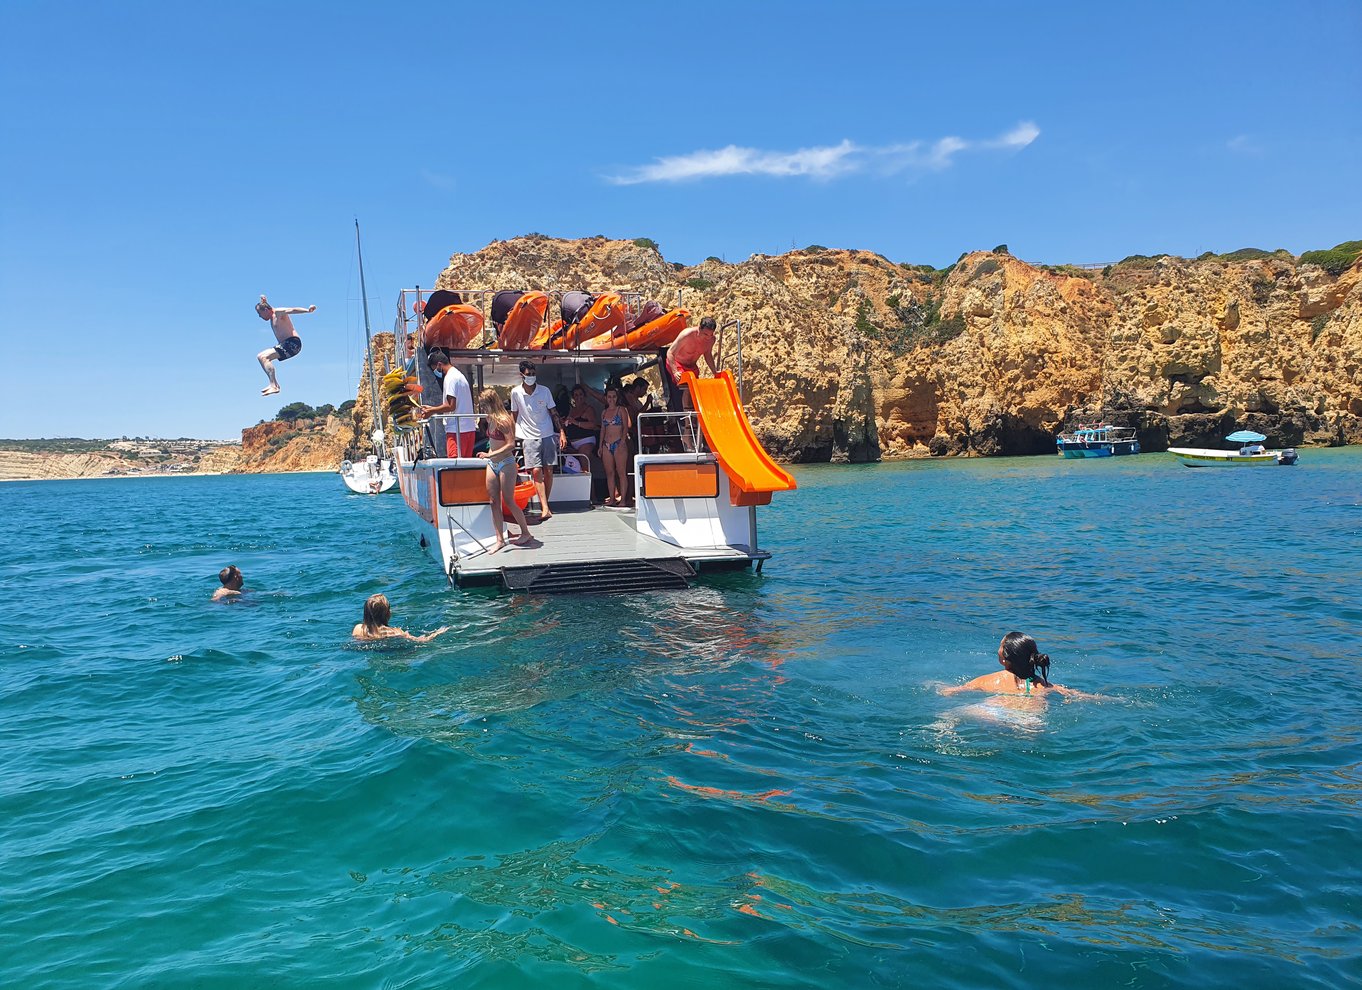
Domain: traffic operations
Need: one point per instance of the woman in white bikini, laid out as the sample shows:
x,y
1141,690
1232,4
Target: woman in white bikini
x,y
501,467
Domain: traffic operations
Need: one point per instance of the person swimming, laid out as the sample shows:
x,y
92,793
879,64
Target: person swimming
x,y
375,626
231,579
1026,672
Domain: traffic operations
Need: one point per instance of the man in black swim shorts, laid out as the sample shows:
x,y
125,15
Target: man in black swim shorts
x,y
289,342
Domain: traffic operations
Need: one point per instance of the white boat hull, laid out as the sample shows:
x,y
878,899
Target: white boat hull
x,y
1202,457
367,478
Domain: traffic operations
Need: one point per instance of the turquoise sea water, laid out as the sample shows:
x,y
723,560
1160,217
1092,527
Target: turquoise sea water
x,y
754,783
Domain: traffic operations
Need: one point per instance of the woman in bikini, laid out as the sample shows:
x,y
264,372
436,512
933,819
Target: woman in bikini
x,y
501,468
377,613
614,446
1025,672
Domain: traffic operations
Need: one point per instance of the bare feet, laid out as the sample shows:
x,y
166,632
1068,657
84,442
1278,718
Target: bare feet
x,y
499,547
270,390
545,515
524,539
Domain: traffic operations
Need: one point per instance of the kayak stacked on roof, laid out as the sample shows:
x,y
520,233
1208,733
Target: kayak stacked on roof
x,y
520,321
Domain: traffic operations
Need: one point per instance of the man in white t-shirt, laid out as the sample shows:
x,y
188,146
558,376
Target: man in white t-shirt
x,y
458,398
539,431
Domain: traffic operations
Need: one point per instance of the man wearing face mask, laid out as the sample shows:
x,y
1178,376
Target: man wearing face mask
x,y
539,431
458,398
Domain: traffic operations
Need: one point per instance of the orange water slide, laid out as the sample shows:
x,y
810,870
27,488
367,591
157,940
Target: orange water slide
x,y
752,474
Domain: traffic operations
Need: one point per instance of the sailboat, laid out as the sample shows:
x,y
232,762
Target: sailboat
x,y
374,474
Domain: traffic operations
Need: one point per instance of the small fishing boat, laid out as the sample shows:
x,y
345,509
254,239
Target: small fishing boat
x,y
372,474
1248,452
1098,441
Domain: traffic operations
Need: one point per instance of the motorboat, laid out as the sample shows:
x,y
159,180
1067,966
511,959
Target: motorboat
x,y
1248,451
1098,441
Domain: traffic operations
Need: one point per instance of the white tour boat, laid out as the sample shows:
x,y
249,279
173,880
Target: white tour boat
x,y
698,477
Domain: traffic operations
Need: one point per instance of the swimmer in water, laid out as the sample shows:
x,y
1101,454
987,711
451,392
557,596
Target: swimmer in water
x,y
231,579
1025,672
375,626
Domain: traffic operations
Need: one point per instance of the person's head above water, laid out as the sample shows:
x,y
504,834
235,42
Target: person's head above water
x,y
231,578
377,612
1021,658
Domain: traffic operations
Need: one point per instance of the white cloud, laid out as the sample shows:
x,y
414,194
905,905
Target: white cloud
x,y
822,162
438,181
1242,144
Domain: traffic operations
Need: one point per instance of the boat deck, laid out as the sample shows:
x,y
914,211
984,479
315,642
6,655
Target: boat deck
x,y
591,545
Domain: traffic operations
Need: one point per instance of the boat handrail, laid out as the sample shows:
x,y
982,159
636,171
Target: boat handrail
x,y
687,425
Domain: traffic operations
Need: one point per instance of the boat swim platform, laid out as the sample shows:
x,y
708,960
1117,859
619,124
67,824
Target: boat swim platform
x,y
594,550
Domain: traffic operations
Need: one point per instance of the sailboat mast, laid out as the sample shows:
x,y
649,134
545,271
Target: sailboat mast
x,y
368,339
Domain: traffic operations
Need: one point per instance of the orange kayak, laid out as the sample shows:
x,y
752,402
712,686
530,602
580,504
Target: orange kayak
x,y
523,322
608,317
654,334
453,327
544,336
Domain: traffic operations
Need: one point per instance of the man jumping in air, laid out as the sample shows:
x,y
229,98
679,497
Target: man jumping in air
x,y
289,341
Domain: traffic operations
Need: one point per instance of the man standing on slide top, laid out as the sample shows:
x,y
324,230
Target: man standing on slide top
x,y
289,341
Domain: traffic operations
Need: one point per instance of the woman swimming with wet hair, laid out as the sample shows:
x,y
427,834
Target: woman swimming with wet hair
x,y
1025,671
377,612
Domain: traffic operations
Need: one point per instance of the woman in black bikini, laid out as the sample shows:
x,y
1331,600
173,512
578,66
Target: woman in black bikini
x,y
614,446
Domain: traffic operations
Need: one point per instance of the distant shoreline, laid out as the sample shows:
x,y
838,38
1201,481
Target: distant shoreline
x,y
169,474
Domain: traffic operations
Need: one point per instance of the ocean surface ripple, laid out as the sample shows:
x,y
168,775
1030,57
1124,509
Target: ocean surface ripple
x,y
753,783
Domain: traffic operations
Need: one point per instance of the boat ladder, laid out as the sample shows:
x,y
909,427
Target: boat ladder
x,y
609,577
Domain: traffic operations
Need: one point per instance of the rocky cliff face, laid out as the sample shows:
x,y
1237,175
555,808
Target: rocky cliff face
x,y
848,356
305,446
20,466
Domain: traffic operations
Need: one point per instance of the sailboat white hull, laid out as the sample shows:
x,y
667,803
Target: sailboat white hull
x,y
367,478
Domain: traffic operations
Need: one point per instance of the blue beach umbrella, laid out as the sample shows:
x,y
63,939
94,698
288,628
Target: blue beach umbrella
x,y
1246,436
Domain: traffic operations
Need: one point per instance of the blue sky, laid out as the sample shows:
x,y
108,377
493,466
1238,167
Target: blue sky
x,y
164,164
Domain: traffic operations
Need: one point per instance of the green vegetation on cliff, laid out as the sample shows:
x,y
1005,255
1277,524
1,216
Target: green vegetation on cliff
x,y
1337,259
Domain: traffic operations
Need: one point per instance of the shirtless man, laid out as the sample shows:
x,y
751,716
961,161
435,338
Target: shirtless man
x,y
231,579
289,341
693,343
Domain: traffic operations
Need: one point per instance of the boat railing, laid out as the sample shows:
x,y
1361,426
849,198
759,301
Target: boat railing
x,y
656,432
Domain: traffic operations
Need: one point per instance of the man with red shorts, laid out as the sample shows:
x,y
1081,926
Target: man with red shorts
x,y
693,344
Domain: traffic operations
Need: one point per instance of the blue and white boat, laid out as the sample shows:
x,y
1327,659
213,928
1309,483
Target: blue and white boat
x,y
1098,441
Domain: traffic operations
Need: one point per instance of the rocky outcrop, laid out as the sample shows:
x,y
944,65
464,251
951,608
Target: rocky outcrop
x,y
305,445
849,356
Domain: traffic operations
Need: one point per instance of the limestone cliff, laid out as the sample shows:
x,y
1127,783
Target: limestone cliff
x,y
849,356
23,466
306,445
